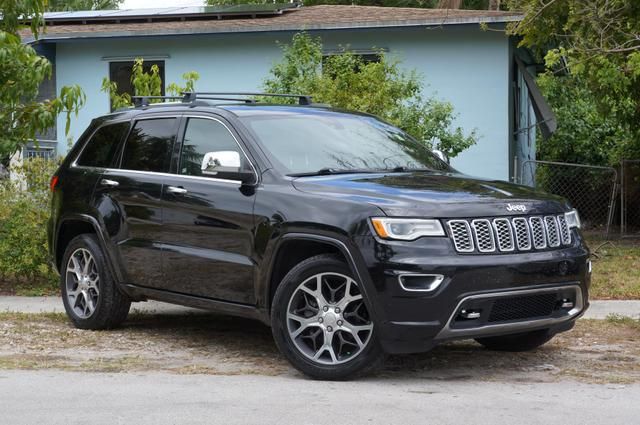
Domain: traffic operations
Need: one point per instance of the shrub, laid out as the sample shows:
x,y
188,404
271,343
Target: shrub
x,y
24,211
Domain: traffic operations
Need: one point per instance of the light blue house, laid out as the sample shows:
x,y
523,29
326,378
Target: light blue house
x,y
233,49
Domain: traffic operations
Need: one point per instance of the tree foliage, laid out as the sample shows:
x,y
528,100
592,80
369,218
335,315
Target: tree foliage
x,y
381,88
593,48
68,5
22,70
147,83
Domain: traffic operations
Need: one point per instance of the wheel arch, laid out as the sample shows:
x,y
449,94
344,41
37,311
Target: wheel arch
x,y
74,225
301,246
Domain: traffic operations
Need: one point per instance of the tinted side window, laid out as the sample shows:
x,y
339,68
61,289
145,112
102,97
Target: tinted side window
x,y
148,147
201,137
102,146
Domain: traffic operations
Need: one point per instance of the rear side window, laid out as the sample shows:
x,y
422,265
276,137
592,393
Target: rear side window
x,y
102,146
149,145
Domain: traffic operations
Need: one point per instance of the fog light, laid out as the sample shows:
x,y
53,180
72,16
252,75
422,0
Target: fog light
x,y
470,314
566,303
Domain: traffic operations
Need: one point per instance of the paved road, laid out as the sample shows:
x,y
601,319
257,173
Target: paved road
x,y
49,397
598,309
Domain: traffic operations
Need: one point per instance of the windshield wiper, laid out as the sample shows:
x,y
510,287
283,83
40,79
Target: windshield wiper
x,y
402,169
327,171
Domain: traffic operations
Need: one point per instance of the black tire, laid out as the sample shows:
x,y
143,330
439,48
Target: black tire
x,y
371,354
517,342
112,306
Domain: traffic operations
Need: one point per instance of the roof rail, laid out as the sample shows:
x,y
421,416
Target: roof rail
x,y
303,99
146,100
192,97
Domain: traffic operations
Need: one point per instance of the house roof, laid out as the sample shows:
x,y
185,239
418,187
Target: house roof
x,y
324,17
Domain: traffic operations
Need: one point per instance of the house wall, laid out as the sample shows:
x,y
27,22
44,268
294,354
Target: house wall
x,y
461,64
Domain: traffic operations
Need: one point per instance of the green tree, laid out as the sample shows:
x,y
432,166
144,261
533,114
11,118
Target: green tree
x,y
381,88
593,48
68,5
22,115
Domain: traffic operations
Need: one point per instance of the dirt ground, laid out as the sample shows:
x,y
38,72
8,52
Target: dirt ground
x,y
595,351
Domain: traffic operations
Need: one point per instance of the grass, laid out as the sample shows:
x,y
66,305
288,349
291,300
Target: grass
x,y
616,269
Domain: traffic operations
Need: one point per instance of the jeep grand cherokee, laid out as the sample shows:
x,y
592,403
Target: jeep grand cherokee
x,y
340,231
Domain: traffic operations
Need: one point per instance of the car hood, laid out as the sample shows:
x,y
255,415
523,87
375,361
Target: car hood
x,y
433,194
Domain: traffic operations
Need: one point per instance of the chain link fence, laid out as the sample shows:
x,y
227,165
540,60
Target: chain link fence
x,y
590,189
630,197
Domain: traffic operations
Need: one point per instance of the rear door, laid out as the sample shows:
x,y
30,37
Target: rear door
x,y
208,220
130,198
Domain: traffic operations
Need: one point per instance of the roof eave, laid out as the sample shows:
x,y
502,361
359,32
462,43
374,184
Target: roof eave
x,y
505,19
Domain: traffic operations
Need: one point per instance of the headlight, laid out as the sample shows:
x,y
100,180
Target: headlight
x,y
572,218
406,229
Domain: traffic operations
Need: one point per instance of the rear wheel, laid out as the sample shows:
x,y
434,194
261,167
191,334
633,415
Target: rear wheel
x,y
90,295
517,342
321,323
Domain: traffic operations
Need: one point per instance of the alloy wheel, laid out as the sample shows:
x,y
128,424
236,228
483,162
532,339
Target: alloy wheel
x,y
327,319
82,283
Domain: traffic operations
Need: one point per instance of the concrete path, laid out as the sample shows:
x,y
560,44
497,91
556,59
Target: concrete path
x,y
598,309
54,397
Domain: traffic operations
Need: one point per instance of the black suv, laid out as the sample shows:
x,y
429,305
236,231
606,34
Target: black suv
x,y
341,232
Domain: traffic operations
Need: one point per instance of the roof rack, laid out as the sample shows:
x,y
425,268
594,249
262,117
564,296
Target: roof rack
x,y
146,100
303,99
192,97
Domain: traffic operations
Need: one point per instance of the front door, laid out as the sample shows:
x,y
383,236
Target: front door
x,y
130,197
208,220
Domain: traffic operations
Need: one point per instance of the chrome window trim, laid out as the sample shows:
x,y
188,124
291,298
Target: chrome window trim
x,y
448,332
438,279
495,227
475,234
158,173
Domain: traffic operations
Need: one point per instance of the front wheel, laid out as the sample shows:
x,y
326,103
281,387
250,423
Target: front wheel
x,y
518,342
321,323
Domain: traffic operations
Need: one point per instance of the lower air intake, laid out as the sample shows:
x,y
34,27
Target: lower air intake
x,y
522,307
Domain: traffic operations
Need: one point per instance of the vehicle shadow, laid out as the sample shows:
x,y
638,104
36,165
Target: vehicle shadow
x,y
251,341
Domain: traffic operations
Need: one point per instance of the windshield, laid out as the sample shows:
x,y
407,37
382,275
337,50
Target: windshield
x,y
312,141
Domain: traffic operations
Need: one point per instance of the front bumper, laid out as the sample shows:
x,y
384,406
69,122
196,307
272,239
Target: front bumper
x,y
415,321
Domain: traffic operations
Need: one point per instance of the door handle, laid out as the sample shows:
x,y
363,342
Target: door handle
x,y
109,183
176,190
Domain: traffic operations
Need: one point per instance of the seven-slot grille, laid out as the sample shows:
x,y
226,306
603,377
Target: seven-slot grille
x,y
487,235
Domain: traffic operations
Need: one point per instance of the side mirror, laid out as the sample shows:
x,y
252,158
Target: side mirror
x,y
440,155
226,165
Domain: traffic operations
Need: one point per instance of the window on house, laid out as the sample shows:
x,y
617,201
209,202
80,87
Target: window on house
x,y
120,73
149,145
100,150
366,58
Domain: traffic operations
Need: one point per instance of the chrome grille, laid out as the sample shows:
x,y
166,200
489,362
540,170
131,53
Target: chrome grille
x,y
484,236
565,234
523,235
539,235
461,233
506,234
553,236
